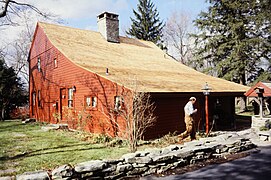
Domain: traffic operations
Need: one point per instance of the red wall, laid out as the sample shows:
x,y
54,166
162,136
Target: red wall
x,y
170,114
66,75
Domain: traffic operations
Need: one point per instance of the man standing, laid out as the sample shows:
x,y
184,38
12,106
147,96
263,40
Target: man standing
x,y
189,111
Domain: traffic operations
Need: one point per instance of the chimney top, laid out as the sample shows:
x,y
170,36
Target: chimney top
x,y
108,15
108,24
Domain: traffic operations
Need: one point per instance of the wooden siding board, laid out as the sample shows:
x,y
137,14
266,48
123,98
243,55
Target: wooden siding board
x,y
66,75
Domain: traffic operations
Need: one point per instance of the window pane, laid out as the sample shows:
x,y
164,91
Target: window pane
x,y
34,99
94,101
70,103
88,101
55,62
118,102
38,65
70,97
70,94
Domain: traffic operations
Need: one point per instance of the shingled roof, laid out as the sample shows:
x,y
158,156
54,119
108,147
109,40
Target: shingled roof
x,y
131,59
265,85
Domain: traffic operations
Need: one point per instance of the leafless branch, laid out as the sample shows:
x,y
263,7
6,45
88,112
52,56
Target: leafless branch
x,y
176,34
4,8
134,108
12,9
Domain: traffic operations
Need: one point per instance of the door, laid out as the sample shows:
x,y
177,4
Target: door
x,y
63,101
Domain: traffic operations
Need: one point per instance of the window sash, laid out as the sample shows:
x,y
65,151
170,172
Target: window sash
x,y
118,102
39,65
94,101
88,101
70,97
34,98
91,101
55,63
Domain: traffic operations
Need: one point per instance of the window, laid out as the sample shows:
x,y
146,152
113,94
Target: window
x,y
39,98
88,101
118,102
94,101
34,98
91,101
38,64
70,97
55,63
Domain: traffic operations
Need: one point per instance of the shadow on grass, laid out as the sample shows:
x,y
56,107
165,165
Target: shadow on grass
x,y
56,150
9,127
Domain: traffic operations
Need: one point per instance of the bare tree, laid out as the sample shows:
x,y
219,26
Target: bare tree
x,y
133,107
137,110
11,9
176,37
139,117
16,50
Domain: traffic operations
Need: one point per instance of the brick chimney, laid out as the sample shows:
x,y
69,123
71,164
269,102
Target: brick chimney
x,y
108,24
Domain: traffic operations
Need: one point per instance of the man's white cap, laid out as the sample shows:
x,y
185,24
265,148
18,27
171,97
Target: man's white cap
x,y
192,98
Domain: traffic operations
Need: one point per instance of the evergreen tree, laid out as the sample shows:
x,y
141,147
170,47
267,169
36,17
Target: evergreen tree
x,y
12,93
147,24
234,38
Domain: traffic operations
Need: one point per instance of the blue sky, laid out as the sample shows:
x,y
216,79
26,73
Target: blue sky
x,y
83,13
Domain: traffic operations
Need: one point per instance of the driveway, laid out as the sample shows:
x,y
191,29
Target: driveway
x,y
256,166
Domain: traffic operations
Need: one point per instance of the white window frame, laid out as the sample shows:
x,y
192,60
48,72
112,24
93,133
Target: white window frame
x,y
39,64
94,101
70,97
91,101
55,63
118,101
34,98
88,101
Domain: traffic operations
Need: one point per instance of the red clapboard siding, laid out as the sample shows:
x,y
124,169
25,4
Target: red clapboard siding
x,y
67,75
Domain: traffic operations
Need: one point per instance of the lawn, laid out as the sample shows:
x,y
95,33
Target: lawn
x,y
26,147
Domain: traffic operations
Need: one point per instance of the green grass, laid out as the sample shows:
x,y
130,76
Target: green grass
x,y
25,147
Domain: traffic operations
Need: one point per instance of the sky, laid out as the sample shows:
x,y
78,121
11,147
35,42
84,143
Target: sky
x,y
83,13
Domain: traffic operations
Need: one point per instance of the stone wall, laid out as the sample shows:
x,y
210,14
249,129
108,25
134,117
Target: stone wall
x,y
258,122
149,161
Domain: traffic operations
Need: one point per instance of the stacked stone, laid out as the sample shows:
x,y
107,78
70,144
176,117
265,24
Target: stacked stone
x,y
151,161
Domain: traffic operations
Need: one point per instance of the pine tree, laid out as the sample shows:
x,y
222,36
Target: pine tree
x,y
234,38
12,92
147,24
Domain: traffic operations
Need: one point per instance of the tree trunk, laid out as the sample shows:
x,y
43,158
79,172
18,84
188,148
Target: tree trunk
x,y
2,114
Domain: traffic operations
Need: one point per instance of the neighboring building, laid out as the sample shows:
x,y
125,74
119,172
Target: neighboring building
x,y
266,95
266,88
75,75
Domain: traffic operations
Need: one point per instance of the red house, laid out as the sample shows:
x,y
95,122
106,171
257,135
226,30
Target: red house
x,y
76,74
